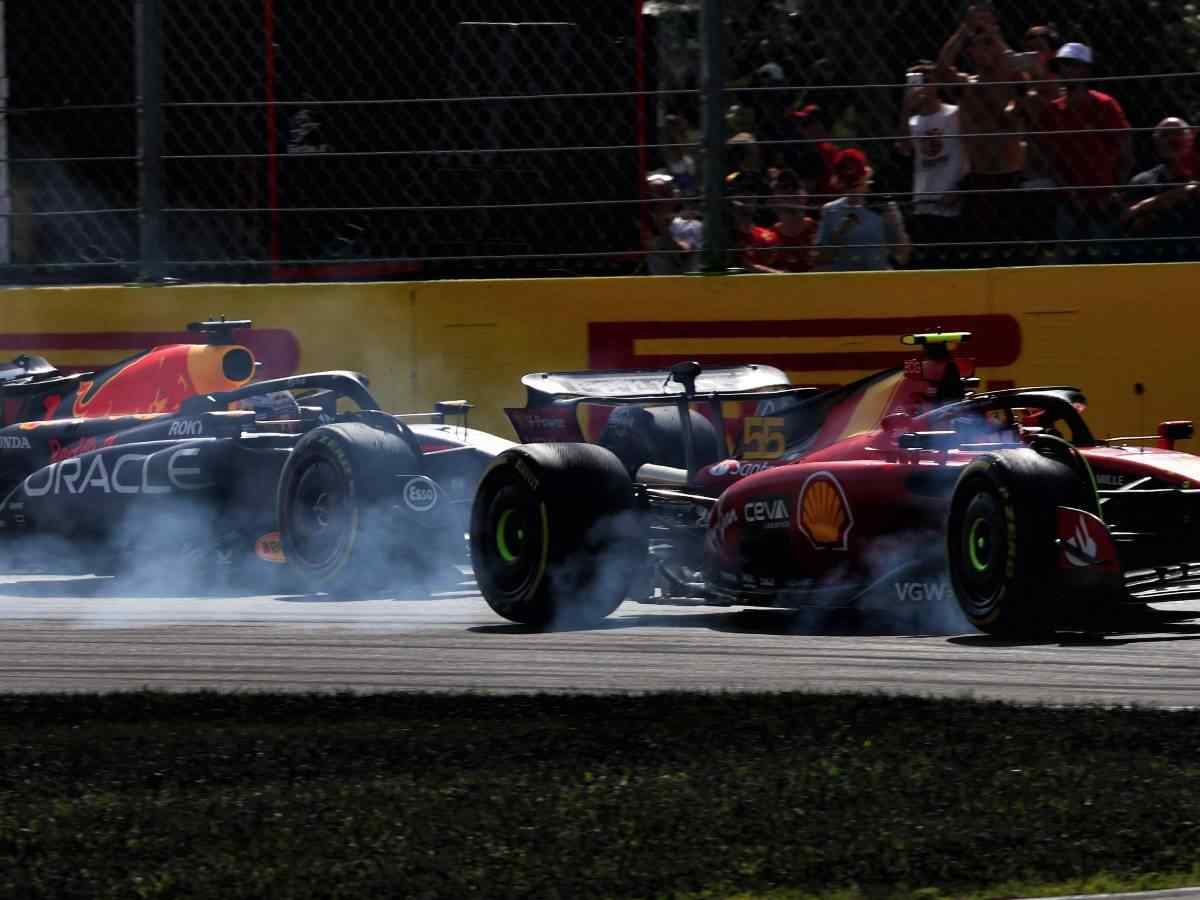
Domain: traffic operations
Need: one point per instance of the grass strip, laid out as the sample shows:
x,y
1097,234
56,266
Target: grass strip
x,y
414,795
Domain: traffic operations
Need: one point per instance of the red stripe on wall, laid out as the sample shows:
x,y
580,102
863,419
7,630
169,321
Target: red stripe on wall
x,y
611,345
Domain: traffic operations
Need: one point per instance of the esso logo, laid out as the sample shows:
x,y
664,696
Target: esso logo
x,y
420,494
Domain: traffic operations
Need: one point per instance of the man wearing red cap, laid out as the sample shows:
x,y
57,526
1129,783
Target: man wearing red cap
x,y
852,236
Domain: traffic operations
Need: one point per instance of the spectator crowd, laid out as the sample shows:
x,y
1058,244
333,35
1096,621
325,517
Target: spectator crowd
x,y
1011,155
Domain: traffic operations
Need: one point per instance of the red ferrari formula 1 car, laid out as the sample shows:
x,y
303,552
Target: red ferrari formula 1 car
x,y
901,484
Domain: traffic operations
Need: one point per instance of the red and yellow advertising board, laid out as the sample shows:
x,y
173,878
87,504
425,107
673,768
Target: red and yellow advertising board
x,y
1125,334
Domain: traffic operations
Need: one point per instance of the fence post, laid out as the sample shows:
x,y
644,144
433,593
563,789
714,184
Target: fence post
x,y
149,26
712,90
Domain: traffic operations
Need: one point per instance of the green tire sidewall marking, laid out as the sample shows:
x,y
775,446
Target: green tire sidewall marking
x,y
502,537
976,563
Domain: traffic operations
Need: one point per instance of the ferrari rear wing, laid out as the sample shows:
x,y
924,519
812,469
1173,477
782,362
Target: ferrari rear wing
x,y
634,385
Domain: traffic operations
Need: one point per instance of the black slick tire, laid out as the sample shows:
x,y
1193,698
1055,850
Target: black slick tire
x,y
333,505
1000,541
555,538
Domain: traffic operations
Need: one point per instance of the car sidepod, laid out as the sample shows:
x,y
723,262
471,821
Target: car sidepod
x,y
148,498
830,534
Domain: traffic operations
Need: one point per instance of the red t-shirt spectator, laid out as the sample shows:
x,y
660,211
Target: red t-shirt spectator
x,y
795,248
758,247
1086,160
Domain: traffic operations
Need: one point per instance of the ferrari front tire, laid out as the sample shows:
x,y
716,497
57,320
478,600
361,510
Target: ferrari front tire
x,y
555,539
1000,541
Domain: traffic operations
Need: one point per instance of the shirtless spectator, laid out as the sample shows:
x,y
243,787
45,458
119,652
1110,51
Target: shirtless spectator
x,y
1165,205
939,165
1093,152
795,228
988,115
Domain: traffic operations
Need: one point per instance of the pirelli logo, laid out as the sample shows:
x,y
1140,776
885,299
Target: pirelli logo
x,y
851,345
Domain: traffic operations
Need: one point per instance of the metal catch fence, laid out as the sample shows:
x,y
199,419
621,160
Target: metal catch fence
x,y
256,140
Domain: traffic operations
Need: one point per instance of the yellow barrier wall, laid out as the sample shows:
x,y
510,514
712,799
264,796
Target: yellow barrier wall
x,y
1106,329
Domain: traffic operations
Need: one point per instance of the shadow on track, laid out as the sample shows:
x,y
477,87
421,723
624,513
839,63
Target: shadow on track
x,y
1132,626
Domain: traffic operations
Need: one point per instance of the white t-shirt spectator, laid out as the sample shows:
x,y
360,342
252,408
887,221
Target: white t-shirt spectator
x,y
939,163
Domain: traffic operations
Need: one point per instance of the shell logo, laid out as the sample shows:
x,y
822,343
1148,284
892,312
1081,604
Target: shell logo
x,y
824,512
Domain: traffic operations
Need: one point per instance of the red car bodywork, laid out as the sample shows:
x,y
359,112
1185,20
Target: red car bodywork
x,y
831,496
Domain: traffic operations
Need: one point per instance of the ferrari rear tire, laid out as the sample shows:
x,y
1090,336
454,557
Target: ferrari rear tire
x,y
333,505
555,538
1000,541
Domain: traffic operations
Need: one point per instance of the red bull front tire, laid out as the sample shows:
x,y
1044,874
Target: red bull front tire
x,y
334,506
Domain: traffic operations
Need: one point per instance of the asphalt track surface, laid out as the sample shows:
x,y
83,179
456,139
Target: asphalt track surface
x,y
62,633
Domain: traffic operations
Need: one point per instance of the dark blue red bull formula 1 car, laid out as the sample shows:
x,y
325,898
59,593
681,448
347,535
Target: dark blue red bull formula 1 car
x,y
905,482
178,458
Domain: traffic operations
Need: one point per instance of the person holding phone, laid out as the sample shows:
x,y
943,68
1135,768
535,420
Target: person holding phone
x,y
852,236
939,165
1041,43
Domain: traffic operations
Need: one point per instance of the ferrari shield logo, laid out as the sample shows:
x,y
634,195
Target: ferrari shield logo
x,y
824,513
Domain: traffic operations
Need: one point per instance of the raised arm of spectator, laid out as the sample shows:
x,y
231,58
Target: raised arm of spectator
x,y
946,70
976,20
1139,216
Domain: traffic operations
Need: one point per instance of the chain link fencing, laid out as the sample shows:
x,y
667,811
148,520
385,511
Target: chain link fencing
x,y
391,139
68,187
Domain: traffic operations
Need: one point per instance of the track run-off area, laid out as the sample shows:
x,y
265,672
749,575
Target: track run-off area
x,y
62,633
